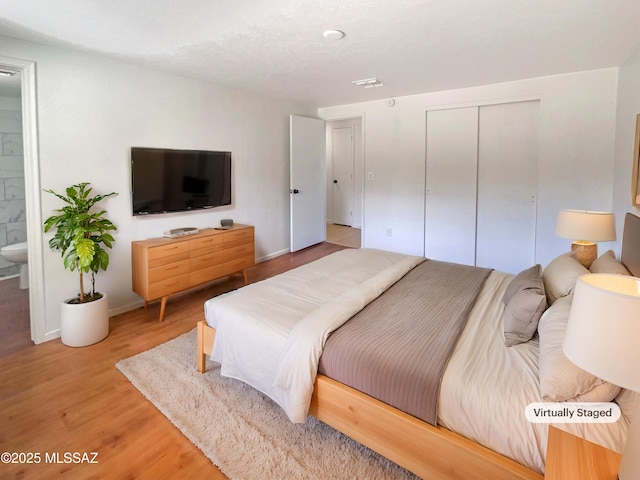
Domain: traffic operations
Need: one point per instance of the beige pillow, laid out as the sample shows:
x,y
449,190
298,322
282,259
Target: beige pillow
x,y
524,301
607,263
560,276
560,379
627,400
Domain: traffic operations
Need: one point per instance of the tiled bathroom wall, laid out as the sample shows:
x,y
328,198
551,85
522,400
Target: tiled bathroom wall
x,y
13,226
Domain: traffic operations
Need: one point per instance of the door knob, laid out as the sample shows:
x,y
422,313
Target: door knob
x,y
335,181
295,190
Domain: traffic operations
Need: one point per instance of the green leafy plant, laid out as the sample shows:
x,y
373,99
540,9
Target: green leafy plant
x,y
81,236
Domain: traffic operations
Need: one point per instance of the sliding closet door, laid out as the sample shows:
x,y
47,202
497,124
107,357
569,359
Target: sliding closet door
x,y
450,210
507,185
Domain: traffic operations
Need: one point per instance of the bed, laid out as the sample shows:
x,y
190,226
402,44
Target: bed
x,y
478,429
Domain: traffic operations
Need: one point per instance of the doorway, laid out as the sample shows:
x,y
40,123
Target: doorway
x,y
343,159
15,328
345,179
32,212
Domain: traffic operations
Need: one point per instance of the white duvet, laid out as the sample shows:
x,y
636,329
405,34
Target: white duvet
x,y
275,346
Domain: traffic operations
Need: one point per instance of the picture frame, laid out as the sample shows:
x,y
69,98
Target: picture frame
x,y
635,177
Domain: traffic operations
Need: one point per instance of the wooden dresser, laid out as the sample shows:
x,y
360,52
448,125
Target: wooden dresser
x,y
165,266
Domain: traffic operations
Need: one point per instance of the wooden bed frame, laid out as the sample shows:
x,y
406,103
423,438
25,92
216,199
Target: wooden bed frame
x,y
428,451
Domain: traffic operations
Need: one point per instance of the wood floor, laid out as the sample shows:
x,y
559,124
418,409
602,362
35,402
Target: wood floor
x,y
343,235
56,400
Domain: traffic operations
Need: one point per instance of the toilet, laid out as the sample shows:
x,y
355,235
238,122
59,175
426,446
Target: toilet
x,y
17,253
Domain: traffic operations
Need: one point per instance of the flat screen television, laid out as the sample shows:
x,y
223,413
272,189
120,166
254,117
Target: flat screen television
x,y
166,180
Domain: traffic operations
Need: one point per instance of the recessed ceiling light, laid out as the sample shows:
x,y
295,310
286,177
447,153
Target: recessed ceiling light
x,y
333,34
368,83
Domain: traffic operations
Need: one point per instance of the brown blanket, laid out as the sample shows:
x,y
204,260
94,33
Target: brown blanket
x,y
396,348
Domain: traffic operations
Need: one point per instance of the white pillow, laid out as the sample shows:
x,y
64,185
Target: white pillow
x,y
560,379
607,263
560,276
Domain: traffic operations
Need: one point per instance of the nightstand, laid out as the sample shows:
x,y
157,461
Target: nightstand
x,y
574,458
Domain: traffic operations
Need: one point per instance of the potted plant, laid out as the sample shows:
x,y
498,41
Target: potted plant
x,y
81,236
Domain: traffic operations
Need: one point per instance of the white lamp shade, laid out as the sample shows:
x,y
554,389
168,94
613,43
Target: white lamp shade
x,y
603,333
586,225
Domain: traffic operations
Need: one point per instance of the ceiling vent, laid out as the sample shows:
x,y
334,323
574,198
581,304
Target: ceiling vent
x,y
368,83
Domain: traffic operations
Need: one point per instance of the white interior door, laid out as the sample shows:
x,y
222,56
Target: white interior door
x,y
343,159
507,186
307,181
451,183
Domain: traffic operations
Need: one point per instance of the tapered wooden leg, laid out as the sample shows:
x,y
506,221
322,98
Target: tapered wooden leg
x,y
246,280
163,305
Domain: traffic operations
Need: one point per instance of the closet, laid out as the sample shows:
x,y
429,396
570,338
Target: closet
x,y
481,185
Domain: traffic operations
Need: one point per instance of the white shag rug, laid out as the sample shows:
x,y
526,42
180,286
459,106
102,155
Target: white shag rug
x,y
239,429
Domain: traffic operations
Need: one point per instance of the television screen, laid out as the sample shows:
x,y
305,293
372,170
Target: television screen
x,y
165,180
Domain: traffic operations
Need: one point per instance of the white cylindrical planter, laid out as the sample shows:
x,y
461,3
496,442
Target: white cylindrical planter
x,y
84,323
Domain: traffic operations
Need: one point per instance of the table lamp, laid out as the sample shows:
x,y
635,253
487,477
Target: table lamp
x,y
585,228
603,338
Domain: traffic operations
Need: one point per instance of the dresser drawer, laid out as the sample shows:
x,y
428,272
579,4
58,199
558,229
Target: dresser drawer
x,y
169,286
245,250
207,260
169,253
206,274
162,272
237,237
212,243
238,265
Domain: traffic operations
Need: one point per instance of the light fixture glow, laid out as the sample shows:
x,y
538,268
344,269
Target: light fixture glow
x,y
7,73
368,83
333,34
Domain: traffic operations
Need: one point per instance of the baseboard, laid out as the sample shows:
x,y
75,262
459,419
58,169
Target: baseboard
x,y
272,255
53,334
125,308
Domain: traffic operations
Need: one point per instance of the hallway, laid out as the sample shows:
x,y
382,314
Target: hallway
x,y
343,235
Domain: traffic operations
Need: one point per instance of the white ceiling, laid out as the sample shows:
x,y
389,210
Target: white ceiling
x,y
276,47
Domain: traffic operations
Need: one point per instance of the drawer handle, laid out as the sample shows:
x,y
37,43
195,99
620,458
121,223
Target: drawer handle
x,y
171,248
171,284
172,267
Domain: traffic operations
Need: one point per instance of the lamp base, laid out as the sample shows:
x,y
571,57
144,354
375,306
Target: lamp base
x,y
586,252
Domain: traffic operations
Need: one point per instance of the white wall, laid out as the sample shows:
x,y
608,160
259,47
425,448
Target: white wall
x,y
91,110
628,108
577,119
